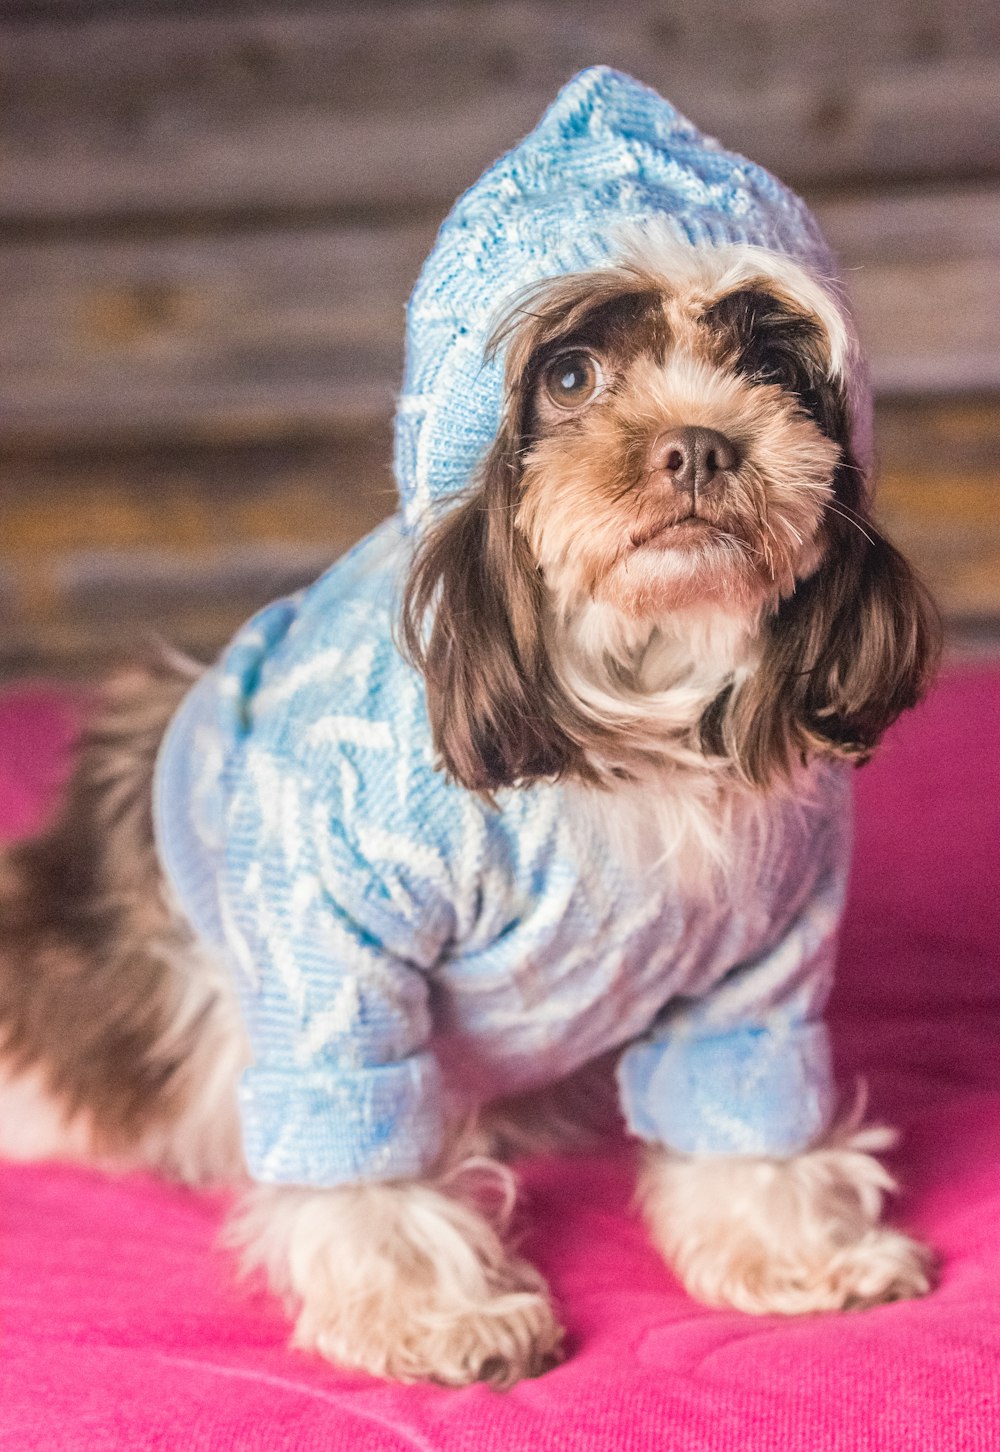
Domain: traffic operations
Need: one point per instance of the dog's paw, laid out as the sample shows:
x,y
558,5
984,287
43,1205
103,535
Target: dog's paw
x,y
786,1237
402,1281
422,1332
752,1274
883,1265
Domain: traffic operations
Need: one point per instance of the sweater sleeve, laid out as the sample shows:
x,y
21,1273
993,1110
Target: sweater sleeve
x,y
746,1070
330,948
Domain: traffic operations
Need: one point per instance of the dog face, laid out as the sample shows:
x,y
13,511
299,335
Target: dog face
x,y
674,449
676,440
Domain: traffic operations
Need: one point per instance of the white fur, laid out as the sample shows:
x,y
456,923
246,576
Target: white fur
x,y
682,805
785,1236
203,1144
33,1126
410,1281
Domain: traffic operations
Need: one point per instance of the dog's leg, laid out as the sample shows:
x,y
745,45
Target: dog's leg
x,y
409,1280
787,1236
119,1039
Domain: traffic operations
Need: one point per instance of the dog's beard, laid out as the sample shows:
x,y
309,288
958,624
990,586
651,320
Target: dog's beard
x,y
602,529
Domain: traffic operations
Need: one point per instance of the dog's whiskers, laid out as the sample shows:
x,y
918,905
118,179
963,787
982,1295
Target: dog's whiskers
x,y
836,509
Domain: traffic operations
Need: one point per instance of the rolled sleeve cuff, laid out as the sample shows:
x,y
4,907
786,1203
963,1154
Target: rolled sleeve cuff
x,y
750,1091
333,1127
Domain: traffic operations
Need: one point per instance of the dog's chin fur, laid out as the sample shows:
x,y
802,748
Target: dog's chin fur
x,y
650,682
680,689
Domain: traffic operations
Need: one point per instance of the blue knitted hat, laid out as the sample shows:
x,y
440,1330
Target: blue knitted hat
x,y
608,151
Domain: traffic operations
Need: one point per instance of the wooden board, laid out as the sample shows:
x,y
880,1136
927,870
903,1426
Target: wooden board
x,y
206,114
270,332
212,211
249,334
101,551
938,493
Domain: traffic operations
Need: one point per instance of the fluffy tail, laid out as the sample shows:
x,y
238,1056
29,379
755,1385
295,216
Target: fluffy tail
x,y
101,1008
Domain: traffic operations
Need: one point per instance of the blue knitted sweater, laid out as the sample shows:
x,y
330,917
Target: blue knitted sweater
x,y
401,947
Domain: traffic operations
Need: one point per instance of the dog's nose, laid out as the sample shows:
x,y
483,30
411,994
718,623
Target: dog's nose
x,y
692,458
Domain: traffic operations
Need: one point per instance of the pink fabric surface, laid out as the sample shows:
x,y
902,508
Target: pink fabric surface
x,y
122,1327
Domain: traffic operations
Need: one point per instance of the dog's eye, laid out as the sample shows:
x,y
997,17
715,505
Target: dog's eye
x,y
573,379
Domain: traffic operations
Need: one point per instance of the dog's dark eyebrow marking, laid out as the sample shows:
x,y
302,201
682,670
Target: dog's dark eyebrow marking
x,y
622,327
768,340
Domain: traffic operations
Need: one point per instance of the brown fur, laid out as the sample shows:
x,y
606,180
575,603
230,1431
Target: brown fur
x,y
88,996
853,648
856,643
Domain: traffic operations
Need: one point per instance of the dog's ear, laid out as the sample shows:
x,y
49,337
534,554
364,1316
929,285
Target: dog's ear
x,y
473,607
855,644
490,696
845,654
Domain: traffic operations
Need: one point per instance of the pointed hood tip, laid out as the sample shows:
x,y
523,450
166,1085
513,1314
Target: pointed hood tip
x,y
602,98
580,90
601,80
608,153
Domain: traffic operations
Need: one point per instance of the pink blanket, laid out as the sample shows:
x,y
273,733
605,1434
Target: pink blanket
x,y
122,1327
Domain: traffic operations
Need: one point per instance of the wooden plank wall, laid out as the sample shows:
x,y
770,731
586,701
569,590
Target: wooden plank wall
x,y
211,215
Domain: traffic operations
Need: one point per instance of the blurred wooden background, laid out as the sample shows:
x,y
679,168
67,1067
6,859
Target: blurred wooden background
x,y
211,214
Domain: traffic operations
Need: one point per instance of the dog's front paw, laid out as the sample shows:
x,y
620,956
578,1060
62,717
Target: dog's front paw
x,y
421,1332
753,1274
402,1281
882,1265
783,1236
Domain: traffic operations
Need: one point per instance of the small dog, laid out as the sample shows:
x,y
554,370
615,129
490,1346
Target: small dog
x,y
644,643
